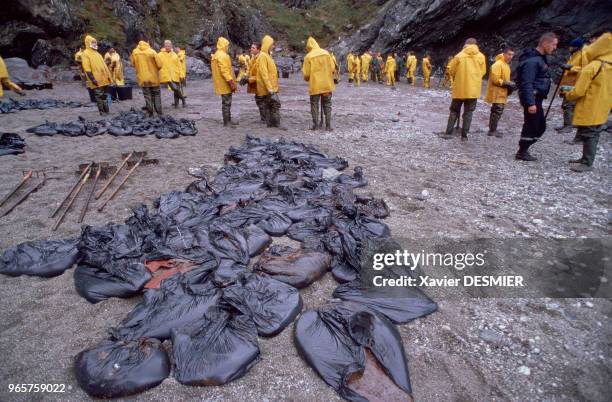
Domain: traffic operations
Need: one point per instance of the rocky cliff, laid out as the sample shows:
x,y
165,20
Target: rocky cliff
x,y
441,26
47,32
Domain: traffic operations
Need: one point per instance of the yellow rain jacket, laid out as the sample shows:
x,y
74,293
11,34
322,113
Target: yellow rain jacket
x,y
593,90
113,61
183,62
411,65
169,66
78,55
252,85
221,67
426,65
350,65
318,69
243,64
267,74
93,63
499,72
143,60
467,69
578,60
366,58
390,67
5,81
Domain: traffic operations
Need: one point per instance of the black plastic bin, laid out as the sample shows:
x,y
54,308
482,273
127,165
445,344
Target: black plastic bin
x,y
124,93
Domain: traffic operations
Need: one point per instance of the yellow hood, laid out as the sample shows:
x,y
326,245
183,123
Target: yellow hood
x,y
266,44
499,57
311,43
88,40
142,45
471,49
601,47
222,44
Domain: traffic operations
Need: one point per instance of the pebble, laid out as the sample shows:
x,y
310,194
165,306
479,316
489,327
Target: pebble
x,y
588,304
491,336
423,195
524,370
537,221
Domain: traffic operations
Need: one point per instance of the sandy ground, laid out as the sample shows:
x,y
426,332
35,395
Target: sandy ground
x,y
476,189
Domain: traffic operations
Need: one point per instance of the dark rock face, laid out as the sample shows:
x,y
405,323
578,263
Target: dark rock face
x,y
50,52
441,26
49,31
233,19
38,30
300,3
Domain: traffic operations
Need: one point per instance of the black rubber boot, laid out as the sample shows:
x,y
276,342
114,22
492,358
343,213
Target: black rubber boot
x,y
450,125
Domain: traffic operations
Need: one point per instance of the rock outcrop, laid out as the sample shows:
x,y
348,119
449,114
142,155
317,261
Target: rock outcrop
x,y
441,26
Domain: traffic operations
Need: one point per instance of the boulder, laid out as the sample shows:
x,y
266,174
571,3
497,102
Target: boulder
x,y
197,68
27,77
50,53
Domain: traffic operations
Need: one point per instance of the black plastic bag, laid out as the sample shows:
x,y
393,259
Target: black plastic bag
x,y
400,305
297,267
11,144
257,240
115,369
45,258
214,350
173,305
356,352
270,303
124,278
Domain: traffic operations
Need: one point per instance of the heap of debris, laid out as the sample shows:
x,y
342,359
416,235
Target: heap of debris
x,y
12,105
134,122
194,257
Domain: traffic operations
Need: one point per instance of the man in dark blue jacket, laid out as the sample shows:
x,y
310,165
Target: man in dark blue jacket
x,y
533,79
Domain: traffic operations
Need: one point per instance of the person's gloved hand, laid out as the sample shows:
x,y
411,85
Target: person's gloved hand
x,y
274,97
94,82
509,85
243,81
567,66
233,86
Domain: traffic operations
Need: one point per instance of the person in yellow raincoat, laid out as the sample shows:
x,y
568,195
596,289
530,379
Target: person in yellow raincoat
x,y
251,82
224,80
115,65
466,69
267,83
390,66
411,65
357,70
147,73
426,66
574,65
97,73
77,58
5,80
447,82
498,88
170,71
593,96
336,68
350,66
183,73
318,71
366,58
243,65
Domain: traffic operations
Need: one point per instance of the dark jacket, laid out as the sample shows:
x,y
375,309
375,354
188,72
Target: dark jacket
x,y
533,77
